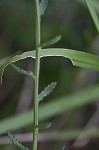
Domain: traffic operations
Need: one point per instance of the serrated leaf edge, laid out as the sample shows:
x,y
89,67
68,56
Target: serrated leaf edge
x,y
15,141
49,89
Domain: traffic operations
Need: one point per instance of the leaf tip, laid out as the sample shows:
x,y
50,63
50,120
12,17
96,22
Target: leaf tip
x,y
60,36
43,6
1,79
54,84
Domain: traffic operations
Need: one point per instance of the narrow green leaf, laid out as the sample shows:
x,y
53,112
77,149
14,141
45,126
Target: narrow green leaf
x,y
95,3
51,108
22,71
43,6
49,89
71,134
80,59
93,13
52,41
16,142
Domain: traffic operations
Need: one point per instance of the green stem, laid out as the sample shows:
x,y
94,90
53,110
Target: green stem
x,y
36,82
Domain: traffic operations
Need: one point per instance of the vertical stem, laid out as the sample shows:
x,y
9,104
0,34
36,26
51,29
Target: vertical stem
x,y
36,82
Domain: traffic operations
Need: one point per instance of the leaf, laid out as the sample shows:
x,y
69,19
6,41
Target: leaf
x,y
52,108
16,142
63,148
63,135
43,6
45,126
28,73
52,41
93,13
49,89
95,3
80,59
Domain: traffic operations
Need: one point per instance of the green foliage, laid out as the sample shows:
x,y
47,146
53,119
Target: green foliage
x,y
63,148
59,105
80,59
93,13
52,108
16,142
22,71
49,89
71,134
43,126
52,41
43,6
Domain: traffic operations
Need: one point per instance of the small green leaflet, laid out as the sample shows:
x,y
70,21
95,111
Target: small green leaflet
x,y
43,6
93,13
44,126
47,91
52,41
28,73
16,142
63,148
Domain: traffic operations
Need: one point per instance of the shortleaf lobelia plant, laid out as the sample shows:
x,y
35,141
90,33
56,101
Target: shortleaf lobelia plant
x,y
79,59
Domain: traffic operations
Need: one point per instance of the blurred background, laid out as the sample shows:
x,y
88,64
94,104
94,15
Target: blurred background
x,y
72,20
